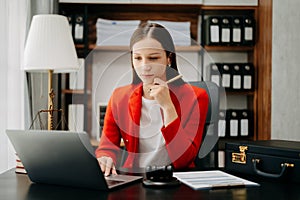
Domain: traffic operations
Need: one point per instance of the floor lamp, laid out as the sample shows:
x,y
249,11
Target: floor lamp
x,y
50,48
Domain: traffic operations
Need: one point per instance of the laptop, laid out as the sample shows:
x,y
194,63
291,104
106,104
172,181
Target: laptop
x,y
63,158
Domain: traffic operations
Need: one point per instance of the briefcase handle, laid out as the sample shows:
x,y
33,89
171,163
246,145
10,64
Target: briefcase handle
x,y
283,166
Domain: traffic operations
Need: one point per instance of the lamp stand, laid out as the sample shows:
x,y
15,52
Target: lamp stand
x,y
51,109
50,100
51,96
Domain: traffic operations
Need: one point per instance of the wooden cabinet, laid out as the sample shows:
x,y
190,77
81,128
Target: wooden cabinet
x,y
258,100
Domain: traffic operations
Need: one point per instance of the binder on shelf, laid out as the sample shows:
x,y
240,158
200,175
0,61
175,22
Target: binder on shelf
x,y
245,123
222,123
70,20
236,76
238,123
225,70
237,28
230,30
232,76
101,115
249,31
213,30
79,28
215,74
232,121
248,77
225,30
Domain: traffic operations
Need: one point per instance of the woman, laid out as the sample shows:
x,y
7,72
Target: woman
x,y
160,123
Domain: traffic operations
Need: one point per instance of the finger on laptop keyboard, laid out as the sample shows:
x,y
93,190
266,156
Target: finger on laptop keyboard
x,y
108,166
101,163
108,169
104,162
114,171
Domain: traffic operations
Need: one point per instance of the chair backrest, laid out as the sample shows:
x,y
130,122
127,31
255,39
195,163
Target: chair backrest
x,y
210,133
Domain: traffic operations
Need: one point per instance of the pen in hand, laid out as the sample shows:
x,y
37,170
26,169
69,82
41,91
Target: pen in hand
x,y
174,79
169,81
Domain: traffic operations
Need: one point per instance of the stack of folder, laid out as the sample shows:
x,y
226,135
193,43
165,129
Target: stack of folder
x,y
180,31
115,32
119,32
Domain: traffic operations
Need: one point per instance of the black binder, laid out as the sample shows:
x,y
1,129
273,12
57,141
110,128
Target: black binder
x,y
212,24
222,123
225,70
70,20
245,123
236,76
79,28
226,29
215,75
249,31
102,111
237,30
232,123
248,77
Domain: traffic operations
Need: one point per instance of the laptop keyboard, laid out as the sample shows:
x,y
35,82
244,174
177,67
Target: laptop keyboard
x,y
113,180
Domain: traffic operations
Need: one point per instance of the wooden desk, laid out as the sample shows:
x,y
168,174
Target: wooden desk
x,y
18,187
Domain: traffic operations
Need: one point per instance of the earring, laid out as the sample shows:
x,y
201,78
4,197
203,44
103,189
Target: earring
x,y
169,65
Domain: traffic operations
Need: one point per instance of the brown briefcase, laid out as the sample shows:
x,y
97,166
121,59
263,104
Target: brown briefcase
x,y
276,159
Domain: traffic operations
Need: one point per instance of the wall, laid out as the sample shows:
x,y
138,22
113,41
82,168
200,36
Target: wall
x,y
285,70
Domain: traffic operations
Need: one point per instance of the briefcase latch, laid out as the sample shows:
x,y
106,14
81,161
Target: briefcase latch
x,y
241,156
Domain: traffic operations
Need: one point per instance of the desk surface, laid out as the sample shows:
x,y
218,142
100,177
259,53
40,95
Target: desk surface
x,y
18,187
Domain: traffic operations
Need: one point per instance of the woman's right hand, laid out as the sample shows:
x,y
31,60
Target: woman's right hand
x,y
107,165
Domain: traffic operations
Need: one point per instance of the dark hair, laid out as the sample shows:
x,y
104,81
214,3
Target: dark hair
x,y
159,33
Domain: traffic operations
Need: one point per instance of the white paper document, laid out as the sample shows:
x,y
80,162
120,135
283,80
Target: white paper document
x,y
115,32
214,179
180,31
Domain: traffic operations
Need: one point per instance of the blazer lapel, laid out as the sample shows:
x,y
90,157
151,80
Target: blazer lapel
x,y
135,105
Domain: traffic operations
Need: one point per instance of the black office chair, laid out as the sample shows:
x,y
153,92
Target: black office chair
x,y
208,153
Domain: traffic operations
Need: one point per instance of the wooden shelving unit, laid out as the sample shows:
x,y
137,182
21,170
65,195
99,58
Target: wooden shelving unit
x,y
260,54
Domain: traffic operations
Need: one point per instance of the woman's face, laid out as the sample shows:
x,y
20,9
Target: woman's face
x,y
149,60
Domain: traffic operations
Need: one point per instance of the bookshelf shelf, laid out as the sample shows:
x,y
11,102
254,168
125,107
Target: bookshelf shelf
x,y
229,48
195,48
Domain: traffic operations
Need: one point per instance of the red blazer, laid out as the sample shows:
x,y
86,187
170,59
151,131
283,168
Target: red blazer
x,y
182,136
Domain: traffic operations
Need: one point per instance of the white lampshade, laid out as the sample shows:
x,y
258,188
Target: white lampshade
x,y
49,45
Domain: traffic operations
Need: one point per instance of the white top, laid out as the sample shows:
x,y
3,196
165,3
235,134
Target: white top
x,y
152,143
